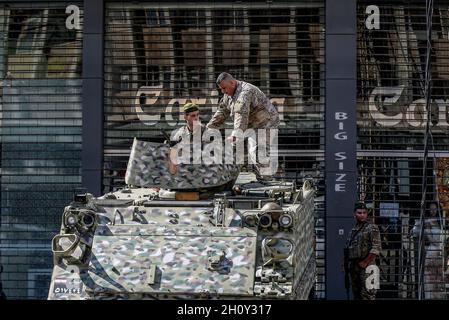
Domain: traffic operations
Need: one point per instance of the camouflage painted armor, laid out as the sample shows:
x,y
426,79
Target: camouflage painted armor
x,y
147,243
148,166
363,240
249,107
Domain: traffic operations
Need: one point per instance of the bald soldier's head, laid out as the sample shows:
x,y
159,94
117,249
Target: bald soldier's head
x,y
226,83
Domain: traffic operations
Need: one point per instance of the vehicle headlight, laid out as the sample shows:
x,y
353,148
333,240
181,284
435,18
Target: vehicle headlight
x,y
88,220
265,220
250,220
285,220
71,220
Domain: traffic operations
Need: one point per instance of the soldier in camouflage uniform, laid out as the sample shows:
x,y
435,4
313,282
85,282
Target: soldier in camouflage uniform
x,y
363,246
250,109
184,136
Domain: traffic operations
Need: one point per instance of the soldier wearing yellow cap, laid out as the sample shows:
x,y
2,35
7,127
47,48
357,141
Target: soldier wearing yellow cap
x,y
189,108
192,118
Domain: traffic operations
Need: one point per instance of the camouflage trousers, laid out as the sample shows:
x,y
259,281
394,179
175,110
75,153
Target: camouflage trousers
x,y
358,282
263,153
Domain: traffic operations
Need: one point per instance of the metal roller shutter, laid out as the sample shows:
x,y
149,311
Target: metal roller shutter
x,y
160,55
391,139
40,103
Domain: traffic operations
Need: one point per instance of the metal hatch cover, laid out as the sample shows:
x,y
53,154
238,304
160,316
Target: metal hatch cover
x,y
173,260
148,166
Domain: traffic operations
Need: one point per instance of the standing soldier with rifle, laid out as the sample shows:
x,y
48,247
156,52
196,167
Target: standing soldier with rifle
x,y
361,250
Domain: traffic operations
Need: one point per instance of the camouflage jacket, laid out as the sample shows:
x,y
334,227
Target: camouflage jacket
x,y
363,240
249,107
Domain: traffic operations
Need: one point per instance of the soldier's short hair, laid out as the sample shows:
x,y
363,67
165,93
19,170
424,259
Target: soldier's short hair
x,y
224,76
359,205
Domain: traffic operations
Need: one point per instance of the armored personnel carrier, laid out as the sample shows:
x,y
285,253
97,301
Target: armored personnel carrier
x,y
196,232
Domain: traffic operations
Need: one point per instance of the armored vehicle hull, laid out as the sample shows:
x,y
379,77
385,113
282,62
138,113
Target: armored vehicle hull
x,y
254,242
